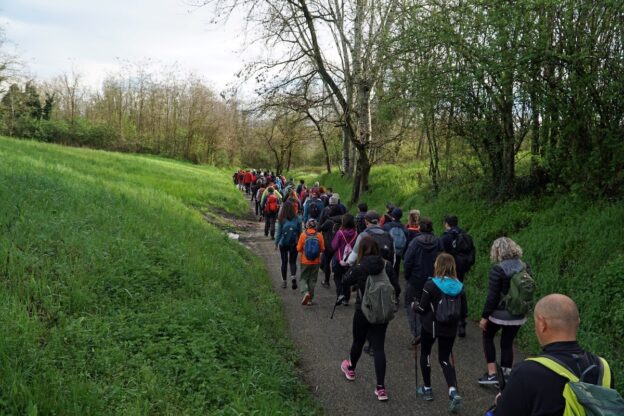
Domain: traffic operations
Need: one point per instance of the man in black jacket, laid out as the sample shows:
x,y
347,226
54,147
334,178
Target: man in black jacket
x,y
418,266
463,260
533,389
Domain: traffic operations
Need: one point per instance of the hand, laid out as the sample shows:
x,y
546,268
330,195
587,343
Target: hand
x,y
483,324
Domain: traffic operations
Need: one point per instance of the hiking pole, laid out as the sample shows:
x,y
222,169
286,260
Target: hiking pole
x,y
339,300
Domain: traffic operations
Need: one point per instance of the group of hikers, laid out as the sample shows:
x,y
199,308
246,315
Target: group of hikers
x,y
365,254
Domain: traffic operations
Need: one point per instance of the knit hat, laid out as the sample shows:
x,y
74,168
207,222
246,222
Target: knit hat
x,y
311,223
333,200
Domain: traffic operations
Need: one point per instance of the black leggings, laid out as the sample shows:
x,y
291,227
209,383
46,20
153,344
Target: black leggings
x,y
508,335
339,272
285,253
445,352
376,334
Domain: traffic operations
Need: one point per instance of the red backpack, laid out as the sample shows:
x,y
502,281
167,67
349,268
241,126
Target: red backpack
x,y
272,204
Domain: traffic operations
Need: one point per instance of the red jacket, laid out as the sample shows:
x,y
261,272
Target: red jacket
x,y
247,179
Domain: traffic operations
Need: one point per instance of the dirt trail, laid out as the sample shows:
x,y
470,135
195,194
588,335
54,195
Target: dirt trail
x,y
324,343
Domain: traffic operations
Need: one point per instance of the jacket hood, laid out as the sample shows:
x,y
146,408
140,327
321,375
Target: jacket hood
x,y
349,234
372,264
512,266
427,241
375,229
449,286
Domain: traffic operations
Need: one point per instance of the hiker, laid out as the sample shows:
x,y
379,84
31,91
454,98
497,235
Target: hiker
x,y
270,208
291,198
533,388
442,305
247,179
330,221
387,217
506,256
412,226
301,187
399,237
313,207
384,241
288,231
342,244
418,267
369,262
458,244
258,199
341,207
360,223
310,245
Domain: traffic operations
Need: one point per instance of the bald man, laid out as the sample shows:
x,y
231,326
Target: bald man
x,y
532,388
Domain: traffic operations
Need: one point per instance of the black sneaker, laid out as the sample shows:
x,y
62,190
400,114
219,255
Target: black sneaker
x,y
294,283
325,283
488,380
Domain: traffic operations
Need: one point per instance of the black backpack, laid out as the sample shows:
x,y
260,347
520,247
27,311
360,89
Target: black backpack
x,y
385,243
314,209
448,310
464,249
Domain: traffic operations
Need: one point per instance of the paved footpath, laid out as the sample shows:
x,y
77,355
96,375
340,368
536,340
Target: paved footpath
x,y
323,343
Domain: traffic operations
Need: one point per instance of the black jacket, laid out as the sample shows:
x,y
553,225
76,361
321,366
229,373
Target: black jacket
x,y
431,296
360,224
500,279
368,266
462,264
419,259
329,227
534,390
330,211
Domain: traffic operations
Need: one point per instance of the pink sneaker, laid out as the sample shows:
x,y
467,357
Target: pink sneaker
x,y
349,374
306,298
380,392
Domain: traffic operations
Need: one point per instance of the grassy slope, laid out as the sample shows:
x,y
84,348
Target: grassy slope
x,y
574,246
117,298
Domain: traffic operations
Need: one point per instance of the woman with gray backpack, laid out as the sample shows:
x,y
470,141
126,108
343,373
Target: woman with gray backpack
x,y
376,303
288,231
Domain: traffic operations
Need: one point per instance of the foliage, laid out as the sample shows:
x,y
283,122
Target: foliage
x,y
573,244
118,298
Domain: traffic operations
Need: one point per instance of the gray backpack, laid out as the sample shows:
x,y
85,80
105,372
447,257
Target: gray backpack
x,y
379,299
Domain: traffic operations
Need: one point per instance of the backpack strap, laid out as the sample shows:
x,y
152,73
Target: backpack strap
x,y
605,373
554,365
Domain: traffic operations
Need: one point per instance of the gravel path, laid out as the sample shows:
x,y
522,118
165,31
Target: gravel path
x,y
324,343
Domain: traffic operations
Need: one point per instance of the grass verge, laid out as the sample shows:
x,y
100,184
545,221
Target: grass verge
x,y
118,298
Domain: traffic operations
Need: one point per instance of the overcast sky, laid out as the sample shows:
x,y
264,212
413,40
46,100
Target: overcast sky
x,y
92,36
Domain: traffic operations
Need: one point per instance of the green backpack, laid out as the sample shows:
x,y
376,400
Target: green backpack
x,y
586,399
519,299
379,299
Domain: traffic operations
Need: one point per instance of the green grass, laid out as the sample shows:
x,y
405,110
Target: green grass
x,y
118,298
575,246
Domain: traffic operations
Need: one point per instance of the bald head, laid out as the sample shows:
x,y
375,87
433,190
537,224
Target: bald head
x,y
556,319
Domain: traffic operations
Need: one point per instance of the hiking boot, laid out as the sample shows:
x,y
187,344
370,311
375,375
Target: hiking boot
x,y
284,284
345,302
456,399
425,392
306,298
349,374
325,283
461,330
488,380
294,283
380,392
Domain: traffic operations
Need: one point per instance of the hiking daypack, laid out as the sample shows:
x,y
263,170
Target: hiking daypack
x,y
586,399
314,210
272,204
348,247
464,248
385,243
311,246
448,310
398,239
519,300
289,234
379,299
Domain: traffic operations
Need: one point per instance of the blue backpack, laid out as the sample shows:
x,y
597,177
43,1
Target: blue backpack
x,y
398,239
311,246
290,232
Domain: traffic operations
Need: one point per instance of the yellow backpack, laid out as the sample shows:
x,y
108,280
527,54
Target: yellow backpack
x,y
586,399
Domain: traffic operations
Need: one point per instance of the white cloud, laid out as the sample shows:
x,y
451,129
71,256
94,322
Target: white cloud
x,y
93,36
